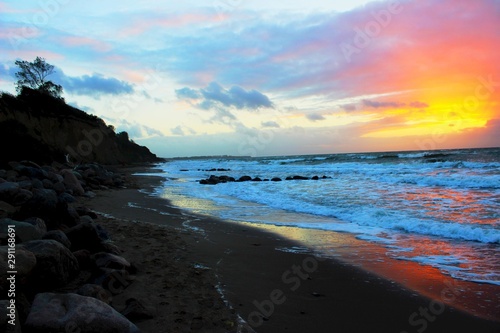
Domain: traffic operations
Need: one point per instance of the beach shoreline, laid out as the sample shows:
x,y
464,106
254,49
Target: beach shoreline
x,y
270,290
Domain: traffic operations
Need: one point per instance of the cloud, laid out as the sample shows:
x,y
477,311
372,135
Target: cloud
x,y
376,105
214,96
181,130
270,124
315,117
349,107
94,85
394,105
134,129
419,105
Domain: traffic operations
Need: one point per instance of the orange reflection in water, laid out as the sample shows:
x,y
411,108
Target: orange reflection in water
x,y
448,204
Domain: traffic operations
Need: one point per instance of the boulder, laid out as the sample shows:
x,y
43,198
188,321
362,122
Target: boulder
x,y
59,236
245,179
114,280
112,261
24,264
95,291
276,179
66,198
24,230
43,204
84,258
72,183
70,312
13,194
9,318
85,236
55,264
137,310
38,223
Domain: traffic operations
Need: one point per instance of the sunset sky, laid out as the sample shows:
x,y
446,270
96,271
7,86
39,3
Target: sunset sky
x,y
260,78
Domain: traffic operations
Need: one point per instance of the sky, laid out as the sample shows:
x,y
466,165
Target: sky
x,y
258,78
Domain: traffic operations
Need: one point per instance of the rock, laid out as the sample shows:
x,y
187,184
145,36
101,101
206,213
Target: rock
x,y
110,247
70,312
48,184
84,258
85,236
42,204
112,261
299,178
276,179
66,197
13,194
315,178
9,318
24,230
86,219
55,264
257,179
72,183
89,194
136,310
95,291
86,211
114,280
25,263
38,223
244,179
6,209
59,187
59,236
31,171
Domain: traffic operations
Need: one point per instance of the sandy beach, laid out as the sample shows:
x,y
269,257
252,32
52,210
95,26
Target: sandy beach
x,y
197,273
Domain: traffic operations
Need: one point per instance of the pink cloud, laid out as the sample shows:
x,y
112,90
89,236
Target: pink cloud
x,y
79,41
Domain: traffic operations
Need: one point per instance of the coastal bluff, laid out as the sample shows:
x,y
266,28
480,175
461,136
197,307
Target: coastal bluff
x,y
38,127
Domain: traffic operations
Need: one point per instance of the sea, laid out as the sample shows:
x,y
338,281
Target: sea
x,y
437,208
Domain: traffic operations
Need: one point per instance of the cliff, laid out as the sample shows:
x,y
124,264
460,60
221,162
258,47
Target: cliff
x,y
41,128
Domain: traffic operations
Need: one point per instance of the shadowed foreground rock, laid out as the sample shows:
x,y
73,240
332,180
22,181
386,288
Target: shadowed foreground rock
x,y
74,313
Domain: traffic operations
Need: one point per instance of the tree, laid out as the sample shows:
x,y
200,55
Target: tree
x,y
34,75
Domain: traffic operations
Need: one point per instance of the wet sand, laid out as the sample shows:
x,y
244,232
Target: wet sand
x,y
202,274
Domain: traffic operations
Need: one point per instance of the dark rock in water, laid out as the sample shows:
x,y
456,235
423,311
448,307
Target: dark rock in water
x,y
71,312
315,178
276,179
299,178
245,178
136,310
59,236
225,178
85,236
204,182
256,179
95,291
55,264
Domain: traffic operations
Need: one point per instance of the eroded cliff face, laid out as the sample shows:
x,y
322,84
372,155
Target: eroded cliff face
x,y
41,128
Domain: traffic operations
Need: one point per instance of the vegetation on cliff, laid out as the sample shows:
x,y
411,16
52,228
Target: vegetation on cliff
x,y
38,125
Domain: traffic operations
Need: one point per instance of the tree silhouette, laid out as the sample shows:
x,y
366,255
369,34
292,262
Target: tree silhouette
x,y
33,75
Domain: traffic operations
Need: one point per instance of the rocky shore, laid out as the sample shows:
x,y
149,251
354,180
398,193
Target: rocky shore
x,y
60,268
